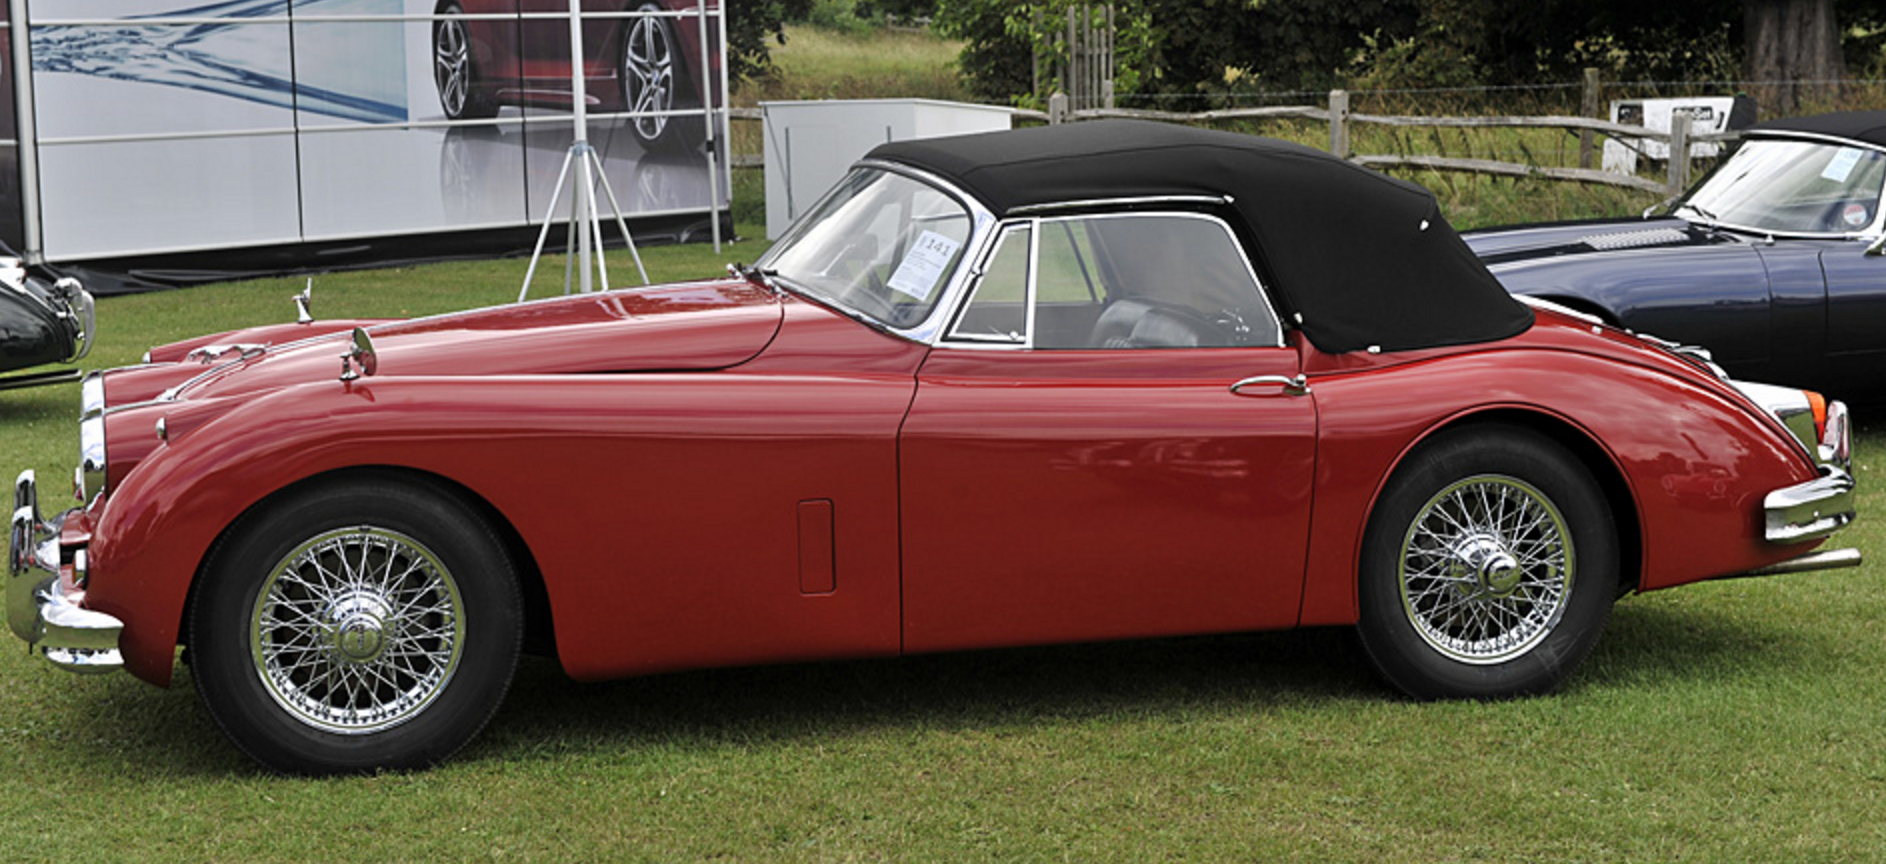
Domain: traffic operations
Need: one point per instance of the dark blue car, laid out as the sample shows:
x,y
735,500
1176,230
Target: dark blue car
x,y
1773,263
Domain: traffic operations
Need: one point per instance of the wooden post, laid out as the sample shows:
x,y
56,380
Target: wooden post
x,y
1057,108
1070,68
1589,108
1679,152
1339,123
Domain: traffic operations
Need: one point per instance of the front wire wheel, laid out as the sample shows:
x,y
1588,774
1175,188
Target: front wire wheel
x,y
1488,567
358,630
356,626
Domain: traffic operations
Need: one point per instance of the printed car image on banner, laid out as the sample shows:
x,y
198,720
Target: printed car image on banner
x,y
167,126
120,108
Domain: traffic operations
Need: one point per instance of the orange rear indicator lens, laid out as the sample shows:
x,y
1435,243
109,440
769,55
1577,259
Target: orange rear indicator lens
x,y
1819,403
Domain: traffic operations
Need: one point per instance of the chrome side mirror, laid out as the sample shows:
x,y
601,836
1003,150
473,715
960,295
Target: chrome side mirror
x,y
362,359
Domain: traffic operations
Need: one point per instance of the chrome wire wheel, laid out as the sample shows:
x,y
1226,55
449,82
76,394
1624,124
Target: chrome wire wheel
x,y
648,74
357,630
451,65
1486,569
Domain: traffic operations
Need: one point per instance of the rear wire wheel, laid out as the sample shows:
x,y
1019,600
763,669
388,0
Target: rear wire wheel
x,y
355,627
1488,567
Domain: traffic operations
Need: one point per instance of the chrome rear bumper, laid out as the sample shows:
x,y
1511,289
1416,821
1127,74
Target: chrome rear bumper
x,y
1811,510
39,608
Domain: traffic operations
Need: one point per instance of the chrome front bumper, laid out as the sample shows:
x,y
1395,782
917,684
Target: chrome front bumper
x,y
39,609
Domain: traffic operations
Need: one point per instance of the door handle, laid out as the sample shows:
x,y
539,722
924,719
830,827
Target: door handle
x,y
1293,385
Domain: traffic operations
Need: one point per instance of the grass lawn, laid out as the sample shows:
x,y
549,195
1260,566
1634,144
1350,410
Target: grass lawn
x,y
1732,721
1735,721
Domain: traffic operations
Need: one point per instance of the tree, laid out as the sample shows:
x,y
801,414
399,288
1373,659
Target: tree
x,y
750,26
1199,48
1793,50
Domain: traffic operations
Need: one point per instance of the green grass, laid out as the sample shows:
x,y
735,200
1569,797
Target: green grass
x,y
868,64
1736,721
1730,722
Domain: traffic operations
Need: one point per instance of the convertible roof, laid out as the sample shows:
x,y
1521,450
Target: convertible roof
x,y
1864,126
1363,260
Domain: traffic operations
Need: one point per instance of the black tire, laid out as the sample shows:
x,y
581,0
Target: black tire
x,y
1488,568
654,77
310,674
455,70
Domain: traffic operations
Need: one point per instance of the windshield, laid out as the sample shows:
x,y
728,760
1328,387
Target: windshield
x,y
1794,186
880,245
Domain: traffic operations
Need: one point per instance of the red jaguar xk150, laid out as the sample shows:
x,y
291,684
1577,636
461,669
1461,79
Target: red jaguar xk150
x,y
1084,382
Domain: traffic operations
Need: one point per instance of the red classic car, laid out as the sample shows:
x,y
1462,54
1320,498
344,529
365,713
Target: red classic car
x,y
1084,382
639,56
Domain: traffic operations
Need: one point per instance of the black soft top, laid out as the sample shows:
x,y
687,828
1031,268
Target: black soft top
x,y
1868,127
1364,259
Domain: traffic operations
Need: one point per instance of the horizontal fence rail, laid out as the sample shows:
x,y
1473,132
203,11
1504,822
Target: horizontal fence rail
x,y
1341,119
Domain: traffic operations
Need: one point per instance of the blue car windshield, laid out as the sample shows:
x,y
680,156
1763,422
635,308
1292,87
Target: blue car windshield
x,y
880,245
1796,187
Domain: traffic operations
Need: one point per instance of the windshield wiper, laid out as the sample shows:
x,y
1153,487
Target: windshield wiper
x,y
1708,217
756,275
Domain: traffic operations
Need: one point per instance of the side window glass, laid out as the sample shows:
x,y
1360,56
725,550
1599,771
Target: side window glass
x,y
998,310
1171,280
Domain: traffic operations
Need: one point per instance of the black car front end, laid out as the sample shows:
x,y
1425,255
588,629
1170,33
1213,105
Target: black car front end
x,y
41,322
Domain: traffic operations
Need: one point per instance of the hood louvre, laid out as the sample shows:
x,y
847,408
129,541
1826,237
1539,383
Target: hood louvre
x,y
1636,239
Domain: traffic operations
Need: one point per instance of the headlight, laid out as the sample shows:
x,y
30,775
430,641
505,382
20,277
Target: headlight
x,y
82,311
92,395
91,474
89,477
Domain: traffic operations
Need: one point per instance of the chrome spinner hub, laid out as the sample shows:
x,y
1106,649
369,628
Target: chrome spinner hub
x,y
358,625
1483,559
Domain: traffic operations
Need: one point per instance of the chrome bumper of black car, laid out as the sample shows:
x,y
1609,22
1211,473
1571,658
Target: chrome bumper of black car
x,y
38,608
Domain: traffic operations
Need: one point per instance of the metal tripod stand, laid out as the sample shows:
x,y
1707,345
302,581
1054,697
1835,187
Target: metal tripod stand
x,y
585,238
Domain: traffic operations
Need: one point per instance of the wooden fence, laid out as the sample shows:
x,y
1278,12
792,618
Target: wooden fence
x,y
1341,120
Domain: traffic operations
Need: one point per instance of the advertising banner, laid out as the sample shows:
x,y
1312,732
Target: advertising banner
x,y
168,125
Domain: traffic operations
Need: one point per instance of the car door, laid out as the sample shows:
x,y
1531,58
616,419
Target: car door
x,y
1076,464
546,45
1856,317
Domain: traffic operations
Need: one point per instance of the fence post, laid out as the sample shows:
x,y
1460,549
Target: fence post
x,y
1057,108
1679,152
1589,108
1070,68
1339,123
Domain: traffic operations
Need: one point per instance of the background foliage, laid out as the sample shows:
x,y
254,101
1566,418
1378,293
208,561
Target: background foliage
x,y
1200,49
753,27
